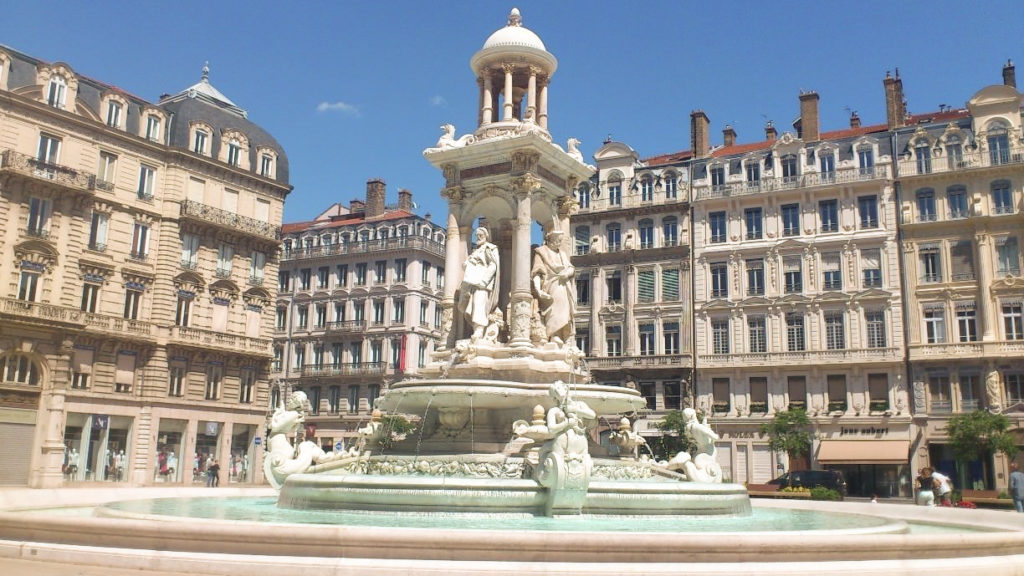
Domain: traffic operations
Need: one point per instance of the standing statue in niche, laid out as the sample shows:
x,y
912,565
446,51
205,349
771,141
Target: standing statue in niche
x,y
478,295
703,465
554,286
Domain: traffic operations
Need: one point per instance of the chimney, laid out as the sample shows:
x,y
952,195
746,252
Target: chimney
x,y
854,120
404,200
729,136
770,133
809,127
1009,75
375,191
356,206
700,126
895,109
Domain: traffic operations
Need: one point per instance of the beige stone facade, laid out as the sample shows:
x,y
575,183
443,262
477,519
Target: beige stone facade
x,y
359,307
135,323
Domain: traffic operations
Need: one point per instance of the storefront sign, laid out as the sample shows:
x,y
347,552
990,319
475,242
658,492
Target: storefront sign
x,y
258,441
870,431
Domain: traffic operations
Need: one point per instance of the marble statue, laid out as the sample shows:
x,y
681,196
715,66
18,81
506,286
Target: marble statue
x,y
626,438
448,140
703,465
554,286
573,146
282,459
992,392
564,460
479,292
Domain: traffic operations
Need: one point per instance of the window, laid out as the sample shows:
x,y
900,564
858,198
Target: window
x,y
970,392
790,169
1014,387
321,316
1007,256
754,220
225,255
758,395
322,274
646,229
646,189
755,277
940,399
957,199
671,186
582,240
300,356
753,172
176,378
836,385
107,171
935,324
582,340
380,271
613,286
353,399
19,368
720,336
199,142
613,340
246,385
153,128
670,285
113,114
424,306
827,164
266,165
583,195
615,194
281,319
832,271
793,274
398,310
670,337
28,285
720,396
124,375
954,153
147,181
673,401
716,220
284,281
378,312
998,146
757,334
583,289
923,156
424,273
302,312
1013,321
56,92
719,280
835,331
49,150
670,231
646,339
421,355
140,241
797,386
829,211
866,160
795,341
961,258
359,311
931,264
214,377
867,207
871,266
342,275
614,235
874,321
966,322
645,286
189,250
717,177
90,297
926,205
790,219
257,263
400,269
39,217
132,301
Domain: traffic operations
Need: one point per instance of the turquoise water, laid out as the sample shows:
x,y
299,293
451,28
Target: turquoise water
x,y
266,510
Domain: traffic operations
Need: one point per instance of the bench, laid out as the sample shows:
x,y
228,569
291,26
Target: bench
x,y
773,491
985,498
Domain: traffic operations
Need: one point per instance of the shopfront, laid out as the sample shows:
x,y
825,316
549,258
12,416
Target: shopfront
x,y
97,447
872,467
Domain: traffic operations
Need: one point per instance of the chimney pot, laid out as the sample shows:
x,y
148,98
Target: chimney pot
x,y
854,120
895,105
729,136
769,131
1009,74
405,200
700,127
376,190
809,126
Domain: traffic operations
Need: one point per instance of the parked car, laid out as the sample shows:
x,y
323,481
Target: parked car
x,y
811,478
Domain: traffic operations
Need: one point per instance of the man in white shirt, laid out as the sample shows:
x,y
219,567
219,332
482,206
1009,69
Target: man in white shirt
x,y
945,487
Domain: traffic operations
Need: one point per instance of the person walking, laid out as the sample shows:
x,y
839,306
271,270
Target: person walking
x,y
927,486
945,491
1017,487
214,472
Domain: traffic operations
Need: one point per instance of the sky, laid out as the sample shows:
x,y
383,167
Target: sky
x,y
355,90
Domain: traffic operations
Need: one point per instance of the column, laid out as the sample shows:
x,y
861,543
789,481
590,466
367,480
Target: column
x,y
531,95
597,298
487,116
985,312
452,275
629,342
522,299
480,102
507,114
542,117
48,438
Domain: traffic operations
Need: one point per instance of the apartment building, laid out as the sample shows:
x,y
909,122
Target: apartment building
x,y
358,306
961,175
135,327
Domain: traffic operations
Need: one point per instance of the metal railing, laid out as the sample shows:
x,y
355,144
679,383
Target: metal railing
x,y
819,357
359,247
346,326
910,165
634,199
221,217
11,161
705,190
357,369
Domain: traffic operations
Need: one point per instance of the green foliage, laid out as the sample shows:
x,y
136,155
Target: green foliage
x,y
674,437
977,434
822,493
396,427
789,432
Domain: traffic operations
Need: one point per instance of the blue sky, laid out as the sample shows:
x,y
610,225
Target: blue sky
x,y
356,90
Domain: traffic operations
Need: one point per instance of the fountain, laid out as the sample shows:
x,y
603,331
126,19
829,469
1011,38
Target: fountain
x,y
502,463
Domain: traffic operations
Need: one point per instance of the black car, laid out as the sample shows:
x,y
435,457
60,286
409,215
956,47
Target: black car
x,y
812,478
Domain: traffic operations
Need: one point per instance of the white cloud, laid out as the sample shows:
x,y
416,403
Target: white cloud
x,y
438,102
338,106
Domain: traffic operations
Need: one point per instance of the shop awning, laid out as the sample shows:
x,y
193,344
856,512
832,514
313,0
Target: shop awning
x,y
864,452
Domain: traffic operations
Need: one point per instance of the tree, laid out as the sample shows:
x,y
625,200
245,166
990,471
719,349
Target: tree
x,y
396,427
979,434
789,432
674,437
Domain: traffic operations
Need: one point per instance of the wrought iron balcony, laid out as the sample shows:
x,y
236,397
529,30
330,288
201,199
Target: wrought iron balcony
x,y
807,357
704,190
12,162
359,247
651,361
910,165
603,202
216,216
356,369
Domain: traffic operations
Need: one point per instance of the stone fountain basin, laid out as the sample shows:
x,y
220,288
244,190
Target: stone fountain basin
x,y
414,396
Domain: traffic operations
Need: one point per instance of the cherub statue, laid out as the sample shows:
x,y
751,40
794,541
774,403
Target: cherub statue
x,y
283,460
703,465
627,438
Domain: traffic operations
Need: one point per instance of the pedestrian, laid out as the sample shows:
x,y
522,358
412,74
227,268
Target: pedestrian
x,y
214,472
927,486
945,488
1017,486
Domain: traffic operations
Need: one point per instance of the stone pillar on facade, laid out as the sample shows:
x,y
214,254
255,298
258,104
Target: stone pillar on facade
x,y
522,297
597,296
988,332
46,465
507,113
542,116
629,343
480,102
143,448
531,95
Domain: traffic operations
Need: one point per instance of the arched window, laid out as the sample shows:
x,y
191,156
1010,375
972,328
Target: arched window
x,y
956,200
923,156
615,189
56,92
998,143
19,369
647,188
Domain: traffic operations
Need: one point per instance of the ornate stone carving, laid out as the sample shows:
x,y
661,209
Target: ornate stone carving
x,y
524,161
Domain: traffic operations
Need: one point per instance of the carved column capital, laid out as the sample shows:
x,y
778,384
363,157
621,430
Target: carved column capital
x,y
508,67
454,194
525,185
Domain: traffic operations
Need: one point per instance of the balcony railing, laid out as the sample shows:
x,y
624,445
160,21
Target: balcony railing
x,y
43,312
808,357
358,369
909,165
207,338
359,247
25,165
635,200
347,326
231,220
704,190
652,361
118,325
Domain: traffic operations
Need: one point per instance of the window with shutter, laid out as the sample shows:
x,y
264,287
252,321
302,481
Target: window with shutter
x,y
645,286
670,285
124,377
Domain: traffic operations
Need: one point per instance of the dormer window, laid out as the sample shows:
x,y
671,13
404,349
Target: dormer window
x,y
199,142
153,128
57,91
266,165
827,164
113,114
234,153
